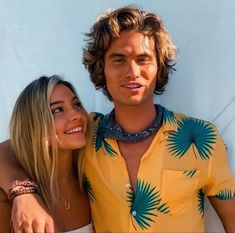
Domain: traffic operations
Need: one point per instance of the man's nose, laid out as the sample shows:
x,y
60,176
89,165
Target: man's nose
x,y
133,70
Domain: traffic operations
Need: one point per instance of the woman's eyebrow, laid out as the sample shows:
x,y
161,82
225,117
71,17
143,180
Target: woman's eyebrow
x,y
61,101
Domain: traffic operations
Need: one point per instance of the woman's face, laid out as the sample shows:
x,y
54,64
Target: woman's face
x,y
70,118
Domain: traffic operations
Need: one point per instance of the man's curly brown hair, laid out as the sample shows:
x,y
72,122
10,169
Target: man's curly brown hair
x,y
131,19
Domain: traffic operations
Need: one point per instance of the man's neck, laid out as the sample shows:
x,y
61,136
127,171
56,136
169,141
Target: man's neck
x,y
134,118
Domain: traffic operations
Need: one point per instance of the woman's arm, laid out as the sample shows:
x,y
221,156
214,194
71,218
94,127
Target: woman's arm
x,y
28,212
29,215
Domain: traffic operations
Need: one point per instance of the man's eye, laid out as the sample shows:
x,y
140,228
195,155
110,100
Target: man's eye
x,y
57,110
119,60
143,60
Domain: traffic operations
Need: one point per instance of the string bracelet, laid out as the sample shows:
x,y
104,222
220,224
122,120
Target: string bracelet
x,y
22,187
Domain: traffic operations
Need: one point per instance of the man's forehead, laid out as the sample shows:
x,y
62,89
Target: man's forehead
x,y
129,42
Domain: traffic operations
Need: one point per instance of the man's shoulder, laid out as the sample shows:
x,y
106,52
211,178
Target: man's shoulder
x,y
180,120
94,116
5,148
180,116
94,119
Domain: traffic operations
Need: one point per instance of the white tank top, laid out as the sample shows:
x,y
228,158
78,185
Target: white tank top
x,y
86,229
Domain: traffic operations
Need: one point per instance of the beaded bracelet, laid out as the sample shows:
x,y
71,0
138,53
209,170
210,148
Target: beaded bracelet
x,y
22,187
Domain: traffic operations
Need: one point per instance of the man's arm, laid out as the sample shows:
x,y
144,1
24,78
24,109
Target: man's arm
x,y
10,169
5,212
28,211
226,211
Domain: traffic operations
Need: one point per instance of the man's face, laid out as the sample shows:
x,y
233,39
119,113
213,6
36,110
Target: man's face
x,y
131,69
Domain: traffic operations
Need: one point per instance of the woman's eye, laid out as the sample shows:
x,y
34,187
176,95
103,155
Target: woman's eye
x,y
77,105
57,110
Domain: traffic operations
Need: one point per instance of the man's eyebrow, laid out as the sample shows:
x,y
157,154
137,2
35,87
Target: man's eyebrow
x,y
144,55
113,55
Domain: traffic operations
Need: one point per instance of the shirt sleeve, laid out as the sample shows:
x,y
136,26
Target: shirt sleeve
x,y
220,182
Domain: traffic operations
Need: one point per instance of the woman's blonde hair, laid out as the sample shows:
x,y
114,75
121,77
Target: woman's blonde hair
x,y
33,134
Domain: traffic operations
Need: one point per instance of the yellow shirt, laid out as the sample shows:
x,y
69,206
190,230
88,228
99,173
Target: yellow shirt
x,y
185,161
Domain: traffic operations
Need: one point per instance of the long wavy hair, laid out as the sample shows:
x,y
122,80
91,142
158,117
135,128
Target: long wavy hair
x,y
131,19
33,134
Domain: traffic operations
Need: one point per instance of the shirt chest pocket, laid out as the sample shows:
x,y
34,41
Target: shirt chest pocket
x,y
178,189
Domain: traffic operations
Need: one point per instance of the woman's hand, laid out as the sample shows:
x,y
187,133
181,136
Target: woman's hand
x,y
29,215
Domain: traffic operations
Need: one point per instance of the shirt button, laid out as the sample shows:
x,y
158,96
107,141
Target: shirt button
x,y
133,213
128,185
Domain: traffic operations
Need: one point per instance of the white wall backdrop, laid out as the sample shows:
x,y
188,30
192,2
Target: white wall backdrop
x,y
46,37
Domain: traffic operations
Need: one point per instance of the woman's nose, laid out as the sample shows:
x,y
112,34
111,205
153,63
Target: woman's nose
x,y
74,115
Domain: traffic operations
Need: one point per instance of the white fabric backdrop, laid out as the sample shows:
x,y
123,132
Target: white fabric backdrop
x,y
45,37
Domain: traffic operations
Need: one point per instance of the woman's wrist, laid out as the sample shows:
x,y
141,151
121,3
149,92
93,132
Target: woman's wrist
x,y
22,187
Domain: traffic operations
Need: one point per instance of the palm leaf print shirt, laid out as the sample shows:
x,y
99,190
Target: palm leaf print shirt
x,y
185,162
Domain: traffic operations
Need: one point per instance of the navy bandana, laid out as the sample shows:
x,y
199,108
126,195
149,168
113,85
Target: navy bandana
x,y
114,130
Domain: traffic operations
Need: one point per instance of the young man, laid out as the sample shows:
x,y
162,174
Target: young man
x,y
147,168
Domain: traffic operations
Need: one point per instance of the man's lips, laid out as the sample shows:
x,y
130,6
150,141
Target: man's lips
x,y
132,85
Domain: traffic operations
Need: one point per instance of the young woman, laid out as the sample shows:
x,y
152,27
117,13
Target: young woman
x,y
47,129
